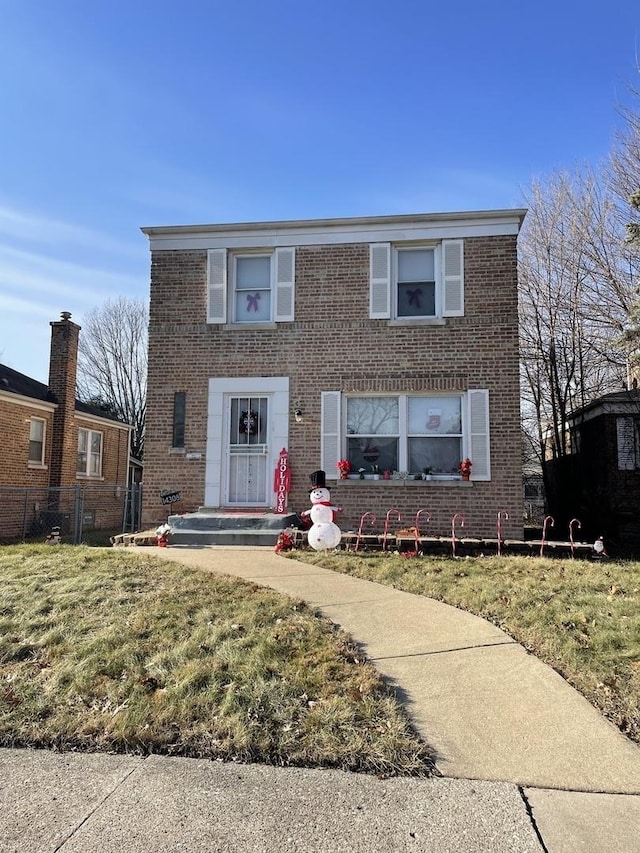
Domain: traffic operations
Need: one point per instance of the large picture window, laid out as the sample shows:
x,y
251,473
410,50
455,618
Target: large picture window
x,y
89,462
405,433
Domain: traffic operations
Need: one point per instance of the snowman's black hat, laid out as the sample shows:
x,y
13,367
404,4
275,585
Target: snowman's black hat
x,y
318,480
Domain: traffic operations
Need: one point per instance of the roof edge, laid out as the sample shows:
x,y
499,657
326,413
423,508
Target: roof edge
x,y
506,215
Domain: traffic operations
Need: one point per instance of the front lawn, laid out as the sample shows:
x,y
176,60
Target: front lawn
x,y
114,651
580,617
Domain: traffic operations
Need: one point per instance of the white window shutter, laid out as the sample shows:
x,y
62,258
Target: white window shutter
x,y
217,286
331,438
626,444
380,281
452,278
285,260
479,434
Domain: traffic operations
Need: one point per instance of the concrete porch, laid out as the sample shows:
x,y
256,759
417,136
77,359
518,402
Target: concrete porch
x,y
218,526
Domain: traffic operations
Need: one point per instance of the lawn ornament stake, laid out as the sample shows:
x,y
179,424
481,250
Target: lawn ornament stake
x,y
324,532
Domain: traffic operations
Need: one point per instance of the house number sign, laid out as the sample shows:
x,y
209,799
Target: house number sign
x,y
170,497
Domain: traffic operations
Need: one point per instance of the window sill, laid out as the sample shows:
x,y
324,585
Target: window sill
x,y
434,482
93,477
37,466
177,451
236,327
418,321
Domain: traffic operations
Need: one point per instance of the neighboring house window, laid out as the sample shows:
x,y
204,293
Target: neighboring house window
x,y
179,413
89,453
627,429
416,282
407,432
37,431
256,287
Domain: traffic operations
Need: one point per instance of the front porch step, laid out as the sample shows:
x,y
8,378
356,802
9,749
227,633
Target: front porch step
x,y
218,527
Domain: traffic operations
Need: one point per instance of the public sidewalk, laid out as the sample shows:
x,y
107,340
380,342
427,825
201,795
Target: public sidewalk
x,y
529,765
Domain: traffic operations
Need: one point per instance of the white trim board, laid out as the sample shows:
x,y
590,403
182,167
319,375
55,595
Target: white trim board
x,y
331,232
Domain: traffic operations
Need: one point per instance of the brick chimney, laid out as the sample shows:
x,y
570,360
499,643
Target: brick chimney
x,y
63,364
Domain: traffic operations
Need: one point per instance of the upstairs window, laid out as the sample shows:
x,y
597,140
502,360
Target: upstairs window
x,y
251,287
89,461
416,283
413,283
37,428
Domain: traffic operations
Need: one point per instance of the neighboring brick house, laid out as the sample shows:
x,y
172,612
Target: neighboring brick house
x,y
599,481
51,441
391,341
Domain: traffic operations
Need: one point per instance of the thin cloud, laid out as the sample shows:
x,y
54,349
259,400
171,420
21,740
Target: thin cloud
x,y
33,228
38,273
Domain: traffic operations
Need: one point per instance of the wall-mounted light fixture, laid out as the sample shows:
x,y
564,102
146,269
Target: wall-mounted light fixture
x,y
297,412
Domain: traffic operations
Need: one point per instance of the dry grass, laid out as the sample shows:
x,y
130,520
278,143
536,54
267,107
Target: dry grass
x,y
582,618
106,650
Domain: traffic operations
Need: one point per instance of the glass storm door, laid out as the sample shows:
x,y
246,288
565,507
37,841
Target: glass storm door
x,y
248,451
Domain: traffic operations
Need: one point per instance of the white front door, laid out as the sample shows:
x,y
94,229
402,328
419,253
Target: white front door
x,y
247,432
241,457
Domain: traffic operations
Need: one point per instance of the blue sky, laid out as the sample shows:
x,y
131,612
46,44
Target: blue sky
x,y
119,114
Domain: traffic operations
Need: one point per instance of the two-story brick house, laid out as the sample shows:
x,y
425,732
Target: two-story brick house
x,y
389,341
51,441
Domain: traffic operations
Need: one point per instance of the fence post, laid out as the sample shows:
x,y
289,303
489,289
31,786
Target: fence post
x,y
24,516
77,515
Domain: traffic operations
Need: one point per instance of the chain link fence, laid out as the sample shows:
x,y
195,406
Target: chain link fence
x,y
30,514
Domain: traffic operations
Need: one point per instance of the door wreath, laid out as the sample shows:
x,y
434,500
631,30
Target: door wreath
x,y
249,422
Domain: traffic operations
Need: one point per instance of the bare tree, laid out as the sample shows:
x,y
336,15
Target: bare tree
x,y
624,178
112,362
575,298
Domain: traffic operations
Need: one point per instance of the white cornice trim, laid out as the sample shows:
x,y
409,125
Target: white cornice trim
x,y
83,416
314,232
20,400
612,408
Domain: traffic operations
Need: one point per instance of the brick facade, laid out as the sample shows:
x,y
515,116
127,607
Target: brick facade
x,y
334,345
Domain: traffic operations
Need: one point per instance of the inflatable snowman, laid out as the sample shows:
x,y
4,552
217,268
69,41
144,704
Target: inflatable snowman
x,y
324,533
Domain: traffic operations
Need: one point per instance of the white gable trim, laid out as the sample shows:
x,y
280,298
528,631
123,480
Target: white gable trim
x,y
83,416
31,402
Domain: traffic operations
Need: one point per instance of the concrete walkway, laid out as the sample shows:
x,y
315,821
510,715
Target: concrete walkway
x,y
529,765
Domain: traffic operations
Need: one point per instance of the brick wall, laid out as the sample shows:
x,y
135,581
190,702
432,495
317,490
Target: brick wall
x,y
14,429
333,345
